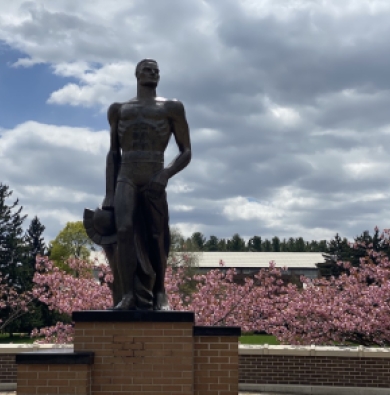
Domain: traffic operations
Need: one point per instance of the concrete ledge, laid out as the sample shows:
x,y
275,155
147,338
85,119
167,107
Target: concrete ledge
x,y
18,348
316,351
7,386
312,390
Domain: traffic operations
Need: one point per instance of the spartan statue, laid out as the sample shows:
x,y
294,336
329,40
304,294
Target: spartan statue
x,y
132,225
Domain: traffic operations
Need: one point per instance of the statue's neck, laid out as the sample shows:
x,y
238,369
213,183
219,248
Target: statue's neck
x,y
146,92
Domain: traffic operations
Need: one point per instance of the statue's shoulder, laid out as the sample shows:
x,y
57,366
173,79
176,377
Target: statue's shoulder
x,y
113,111
174,105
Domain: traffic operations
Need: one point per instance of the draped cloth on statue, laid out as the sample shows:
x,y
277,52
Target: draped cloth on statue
x,y
150,225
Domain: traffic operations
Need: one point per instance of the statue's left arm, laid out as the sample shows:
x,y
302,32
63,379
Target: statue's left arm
x,y
180,130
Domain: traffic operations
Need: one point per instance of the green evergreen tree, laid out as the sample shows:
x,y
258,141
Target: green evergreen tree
x,y
237,243
198,241
275,244
338,249
212,244
291,244
222,245
314,246
283,246
323,246
300,245
254,244
34,245
11,237
267,246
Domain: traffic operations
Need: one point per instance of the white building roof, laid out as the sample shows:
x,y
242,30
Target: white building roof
x,y
301,260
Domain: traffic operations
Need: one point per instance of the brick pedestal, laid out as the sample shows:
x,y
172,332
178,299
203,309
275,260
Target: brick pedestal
x,y
137,353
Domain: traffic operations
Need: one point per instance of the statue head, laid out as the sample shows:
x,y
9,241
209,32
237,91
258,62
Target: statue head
x,y
147,72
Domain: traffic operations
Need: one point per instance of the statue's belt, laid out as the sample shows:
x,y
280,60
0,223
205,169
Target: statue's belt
x,y
142,156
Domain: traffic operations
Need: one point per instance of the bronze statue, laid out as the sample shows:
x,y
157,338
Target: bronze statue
x,y
132,225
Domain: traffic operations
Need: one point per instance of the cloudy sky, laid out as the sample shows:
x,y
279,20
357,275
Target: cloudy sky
x,y
288,103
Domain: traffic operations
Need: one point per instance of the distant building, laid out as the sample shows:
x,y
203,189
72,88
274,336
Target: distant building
x,y
249,263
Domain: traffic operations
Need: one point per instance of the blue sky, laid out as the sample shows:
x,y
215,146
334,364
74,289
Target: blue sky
x,y
25,91
287,104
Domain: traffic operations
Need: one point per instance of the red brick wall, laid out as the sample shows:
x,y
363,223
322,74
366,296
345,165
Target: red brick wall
x,y
7,368
54,379
216,365
315,370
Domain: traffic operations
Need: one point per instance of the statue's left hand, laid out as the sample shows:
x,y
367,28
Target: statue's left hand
x,y
160,178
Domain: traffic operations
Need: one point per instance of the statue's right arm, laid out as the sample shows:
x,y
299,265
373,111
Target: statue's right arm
x,y
113,156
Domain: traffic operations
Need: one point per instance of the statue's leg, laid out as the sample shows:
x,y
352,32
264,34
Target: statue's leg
x,y
125,204
158,214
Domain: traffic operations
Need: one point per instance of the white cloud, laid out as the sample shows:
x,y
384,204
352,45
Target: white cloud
x,y
206,135
98,86
287,102
54,170
181,207
280,211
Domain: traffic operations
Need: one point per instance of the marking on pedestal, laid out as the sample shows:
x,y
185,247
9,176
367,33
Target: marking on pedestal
x,y
126,350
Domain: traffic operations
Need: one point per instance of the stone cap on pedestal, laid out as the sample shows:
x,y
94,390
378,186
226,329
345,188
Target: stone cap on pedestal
x,y
132,316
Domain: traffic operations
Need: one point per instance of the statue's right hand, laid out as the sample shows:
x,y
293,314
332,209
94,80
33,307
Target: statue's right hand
x,y
108,202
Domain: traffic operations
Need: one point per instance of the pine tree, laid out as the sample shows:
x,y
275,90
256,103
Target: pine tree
x,y
211,244
34,245
222,245
314,246
275,244
237,243
198,241
299,244
337,250
283,246
267,246
291,244
323,246
11,236
254,244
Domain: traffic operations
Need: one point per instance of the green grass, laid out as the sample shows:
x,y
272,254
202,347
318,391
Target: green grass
x,y
16,339
258,339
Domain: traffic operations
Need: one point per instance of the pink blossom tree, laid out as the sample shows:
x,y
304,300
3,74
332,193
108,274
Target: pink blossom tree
x,y
219,300
354,308
67,292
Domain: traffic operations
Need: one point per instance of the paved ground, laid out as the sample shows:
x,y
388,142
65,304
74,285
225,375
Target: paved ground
x,y
241,393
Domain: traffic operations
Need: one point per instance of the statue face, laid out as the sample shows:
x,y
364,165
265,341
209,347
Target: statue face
x,y
148,74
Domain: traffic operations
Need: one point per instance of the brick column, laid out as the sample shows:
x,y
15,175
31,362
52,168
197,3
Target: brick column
x,y
216,360
138,352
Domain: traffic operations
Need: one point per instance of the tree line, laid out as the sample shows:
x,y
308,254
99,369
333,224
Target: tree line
x,y
198,242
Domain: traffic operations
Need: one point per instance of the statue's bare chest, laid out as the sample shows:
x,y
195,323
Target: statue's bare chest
x,y
143,127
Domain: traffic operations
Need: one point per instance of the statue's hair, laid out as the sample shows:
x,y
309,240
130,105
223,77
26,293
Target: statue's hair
x,y
139,64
